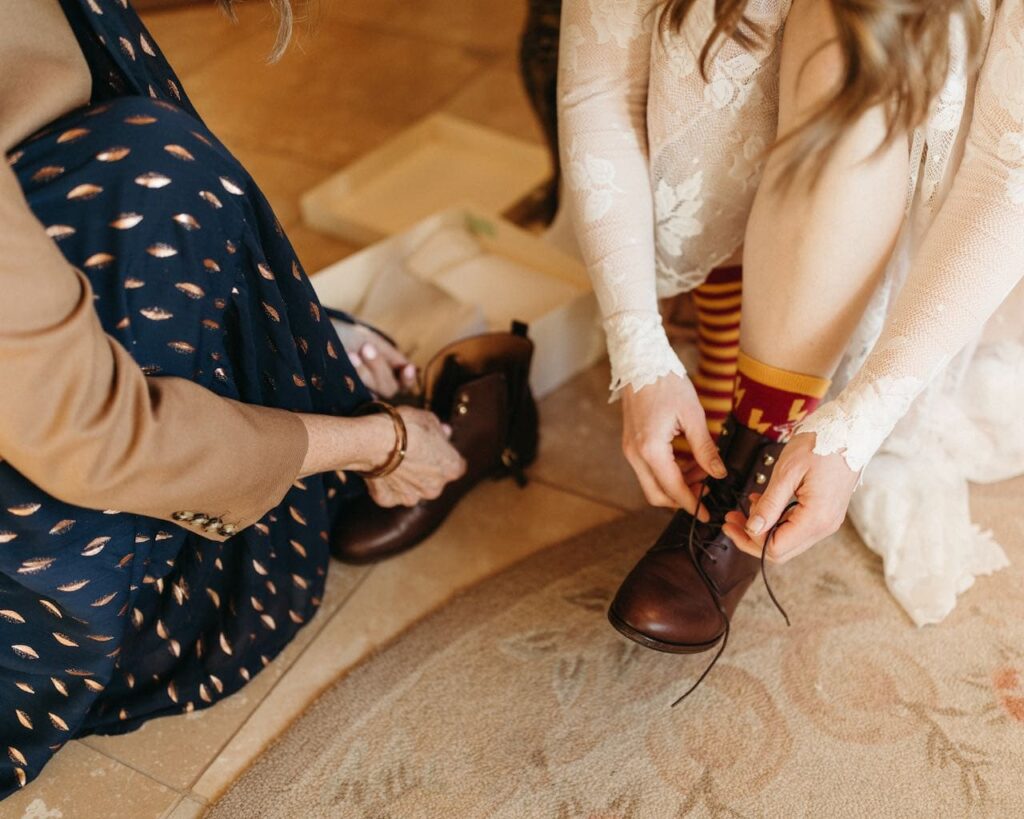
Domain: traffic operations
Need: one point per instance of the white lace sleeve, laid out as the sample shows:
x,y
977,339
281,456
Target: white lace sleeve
x,y
660,166
604,66
969,262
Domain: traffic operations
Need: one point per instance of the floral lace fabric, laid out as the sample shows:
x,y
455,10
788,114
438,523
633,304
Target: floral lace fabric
x,y
661,168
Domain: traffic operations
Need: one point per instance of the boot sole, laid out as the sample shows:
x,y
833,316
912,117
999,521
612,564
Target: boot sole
x,y
659,645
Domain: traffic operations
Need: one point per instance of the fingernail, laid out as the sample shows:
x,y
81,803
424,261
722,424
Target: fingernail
x,y
369,352
755,525
447,429
719,470
409,373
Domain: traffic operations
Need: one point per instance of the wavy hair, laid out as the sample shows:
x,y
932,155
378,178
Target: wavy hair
x,y
896,53
285,25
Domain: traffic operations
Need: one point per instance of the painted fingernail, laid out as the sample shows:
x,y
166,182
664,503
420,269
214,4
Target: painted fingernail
x,y
369,352
755,525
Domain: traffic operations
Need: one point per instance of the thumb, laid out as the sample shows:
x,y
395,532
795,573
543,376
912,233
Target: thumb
x,y
705,452
767,509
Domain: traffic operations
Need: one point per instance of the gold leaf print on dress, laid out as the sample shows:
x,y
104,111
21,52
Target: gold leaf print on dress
x,y
102,601
7,537
300,581
156,313
58,723
140,119
58,232
211,198
115,154
51,607
95,546
296,515
224,644
47,173
127,47
211,265
34,564
11,616
298,547
23,718
172,691
62,527
153,180
186,220
64,640
72,135
193,291
99,260
26,652
296,271
178,152
93,685
271,312
73,586
133,284
84,192
265,271
182,347
16,755
175,647
24,686
231,186
161,250
268,621
25,509
126,221
146,46
12,160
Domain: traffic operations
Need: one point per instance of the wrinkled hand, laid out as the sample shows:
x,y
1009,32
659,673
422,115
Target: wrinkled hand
x,y
822,486
652,418
381,366
431,462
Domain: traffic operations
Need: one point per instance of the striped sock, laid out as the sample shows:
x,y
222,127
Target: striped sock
x,y
773,401
718,344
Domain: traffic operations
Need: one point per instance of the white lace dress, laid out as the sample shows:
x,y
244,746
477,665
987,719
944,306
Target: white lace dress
x,y
661,169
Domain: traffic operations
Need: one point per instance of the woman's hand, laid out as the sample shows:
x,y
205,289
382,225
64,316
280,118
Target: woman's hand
x,y
822,486
652,418
431,462
381,366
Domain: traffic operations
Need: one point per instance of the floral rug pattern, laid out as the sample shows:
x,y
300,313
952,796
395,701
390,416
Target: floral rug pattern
x,y
518,700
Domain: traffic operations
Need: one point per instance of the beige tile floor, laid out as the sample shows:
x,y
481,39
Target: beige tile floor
x,y
366,71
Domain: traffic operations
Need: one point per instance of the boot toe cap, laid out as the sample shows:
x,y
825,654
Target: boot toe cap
x,y
664,604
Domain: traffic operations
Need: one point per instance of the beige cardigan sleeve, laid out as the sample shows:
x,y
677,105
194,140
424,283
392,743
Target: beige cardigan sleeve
x,y
80,419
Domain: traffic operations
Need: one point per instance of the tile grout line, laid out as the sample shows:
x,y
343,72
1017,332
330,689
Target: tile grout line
x,y
199,797
582,495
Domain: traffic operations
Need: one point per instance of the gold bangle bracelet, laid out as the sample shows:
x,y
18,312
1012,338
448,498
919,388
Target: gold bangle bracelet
x,y
397,455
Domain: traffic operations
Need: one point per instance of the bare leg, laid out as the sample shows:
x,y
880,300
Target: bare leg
x,y
813,258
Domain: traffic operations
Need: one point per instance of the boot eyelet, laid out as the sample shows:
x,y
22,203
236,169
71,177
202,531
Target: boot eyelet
x,y
769,460
462,409
761,479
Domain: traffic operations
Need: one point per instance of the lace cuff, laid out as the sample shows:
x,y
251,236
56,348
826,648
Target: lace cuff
x,y
639,350
859,420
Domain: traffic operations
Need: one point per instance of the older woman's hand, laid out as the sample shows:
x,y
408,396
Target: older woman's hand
x,y
822,486
431,462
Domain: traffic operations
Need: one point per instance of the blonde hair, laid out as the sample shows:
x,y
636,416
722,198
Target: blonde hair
x,y
285,26
896,53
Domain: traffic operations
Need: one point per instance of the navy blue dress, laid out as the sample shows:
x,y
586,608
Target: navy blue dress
x,y
110,619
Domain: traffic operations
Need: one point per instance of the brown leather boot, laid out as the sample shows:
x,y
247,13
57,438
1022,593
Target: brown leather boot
x,y
481,387
681,595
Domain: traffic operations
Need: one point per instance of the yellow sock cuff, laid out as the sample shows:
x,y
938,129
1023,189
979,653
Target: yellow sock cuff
x,y
798,383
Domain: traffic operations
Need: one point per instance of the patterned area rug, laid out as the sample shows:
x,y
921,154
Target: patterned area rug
x,y
518,700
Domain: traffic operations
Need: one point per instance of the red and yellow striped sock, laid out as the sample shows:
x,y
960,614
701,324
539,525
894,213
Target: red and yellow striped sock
x,y
718,343
773,401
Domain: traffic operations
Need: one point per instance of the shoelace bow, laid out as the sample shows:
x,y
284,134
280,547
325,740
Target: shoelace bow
x,y
718,500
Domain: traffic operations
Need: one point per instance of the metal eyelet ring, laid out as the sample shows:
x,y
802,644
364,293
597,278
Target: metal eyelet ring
x,y
761,479
769,460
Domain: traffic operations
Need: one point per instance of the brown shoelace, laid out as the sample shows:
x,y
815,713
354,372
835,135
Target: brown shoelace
x,y
722,501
